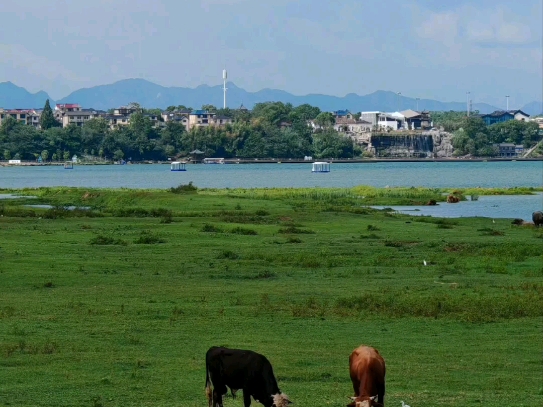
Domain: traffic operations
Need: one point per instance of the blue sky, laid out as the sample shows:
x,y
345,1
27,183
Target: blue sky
x,y
423,48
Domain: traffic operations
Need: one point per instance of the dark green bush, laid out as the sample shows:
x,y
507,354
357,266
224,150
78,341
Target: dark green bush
x,y
148,238
295,230
184,189
243,231
209,228
106,240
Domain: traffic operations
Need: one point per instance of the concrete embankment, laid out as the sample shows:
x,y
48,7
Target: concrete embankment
x,y
294,161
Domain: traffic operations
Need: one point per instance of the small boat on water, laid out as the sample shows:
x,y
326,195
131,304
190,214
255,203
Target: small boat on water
x,y
178,166
321,167
213,161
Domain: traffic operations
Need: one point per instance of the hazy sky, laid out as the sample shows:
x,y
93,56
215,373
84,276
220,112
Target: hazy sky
x,y
423,48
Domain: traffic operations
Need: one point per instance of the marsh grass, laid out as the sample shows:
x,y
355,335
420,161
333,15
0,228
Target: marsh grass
x,y
148,237
209,228
102,240
128,324
243,231
469,308
490,232
228,254
184,189
295,230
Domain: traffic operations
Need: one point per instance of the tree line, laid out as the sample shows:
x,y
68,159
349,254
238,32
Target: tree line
x,y
270,130
474,137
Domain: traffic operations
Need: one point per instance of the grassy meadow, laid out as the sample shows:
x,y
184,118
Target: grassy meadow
x,y
117,305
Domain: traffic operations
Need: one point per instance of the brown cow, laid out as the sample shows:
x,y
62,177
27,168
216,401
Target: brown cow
x,y
367,370
453,199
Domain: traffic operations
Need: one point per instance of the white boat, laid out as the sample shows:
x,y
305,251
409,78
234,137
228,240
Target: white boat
x,y
321,167
213,160
178,166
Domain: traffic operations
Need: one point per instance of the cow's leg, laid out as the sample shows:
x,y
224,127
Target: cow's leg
x,y
209,396
246,398
356,388
381,394
218,391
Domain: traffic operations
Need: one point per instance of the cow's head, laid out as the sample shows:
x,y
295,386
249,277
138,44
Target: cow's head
x,y
281,400
364,402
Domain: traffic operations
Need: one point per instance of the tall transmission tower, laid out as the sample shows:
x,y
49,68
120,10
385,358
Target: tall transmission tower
x,y
224,77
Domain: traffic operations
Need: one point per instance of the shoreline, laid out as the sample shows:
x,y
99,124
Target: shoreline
x,y
288,161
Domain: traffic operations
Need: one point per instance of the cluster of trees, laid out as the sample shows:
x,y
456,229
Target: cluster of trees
x,y
473,137
272,129
450,121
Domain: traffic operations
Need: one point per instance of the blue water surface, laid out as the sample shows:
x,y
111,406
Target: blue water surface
x,y
505,174
379,174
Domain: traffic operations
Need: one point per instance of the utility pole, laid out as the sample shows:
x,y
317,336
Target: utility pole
x,y
507,98
418,104
224,78
467,102
399,94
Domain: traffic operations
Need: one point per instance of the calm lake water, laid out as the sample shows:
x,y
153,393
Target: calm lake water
x,y
425,174
495,206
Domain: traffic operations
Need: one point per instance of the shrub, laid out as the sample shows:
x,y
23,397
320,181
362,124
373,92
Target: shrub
x,y
106,240
263,275
490,232
148,238
184,189
17,212
444,226
295,230
370,236
392,243
141,213
228,254
209,228
243,231
293,240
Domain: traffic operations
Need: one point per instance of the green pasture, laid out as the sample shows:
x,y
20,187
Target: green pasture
x,y
117,305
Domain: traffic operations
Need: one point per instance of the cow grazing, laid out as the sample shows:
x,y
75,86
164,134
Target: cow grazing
x,y
537,218
367,370
241,369
453,199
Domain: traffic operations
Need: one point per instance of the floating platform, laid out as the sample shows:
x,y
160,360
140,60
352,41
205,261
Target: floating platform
x,y
178,166
321,167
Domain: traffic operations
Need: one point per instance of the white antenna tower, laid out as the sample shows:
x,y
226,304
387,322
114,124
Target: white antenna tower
x,y
224,77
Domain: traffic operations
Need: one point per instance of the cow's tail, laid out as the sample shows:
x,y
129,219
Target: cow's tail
x,y
209,392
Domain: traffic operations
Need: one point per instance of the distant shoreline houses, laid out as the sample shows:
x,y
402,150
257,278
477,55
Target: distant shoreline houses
x,y
72,114
358,126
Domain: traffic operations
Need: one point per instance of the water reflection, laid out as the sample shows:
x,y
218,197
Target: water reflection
x,y
488,206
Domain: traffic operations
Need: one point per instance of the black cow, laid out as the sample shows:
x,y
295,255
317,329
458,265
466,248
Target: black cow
x,y
537,218
241,369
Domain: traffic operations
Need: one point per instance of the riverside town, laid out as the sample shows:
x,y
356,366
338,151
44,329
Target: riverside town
x,y
270,131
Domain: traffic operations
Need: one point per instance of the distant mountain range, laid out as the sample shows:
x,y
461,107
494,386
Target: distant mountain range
x,y
151,95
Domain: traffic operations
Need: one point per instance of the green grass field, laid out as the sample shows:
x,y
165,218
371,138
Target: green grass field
x,y
117,306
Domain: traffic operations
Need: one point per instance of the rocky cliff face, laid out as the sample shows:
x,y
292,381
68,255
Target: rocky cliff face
x,y
442,143
428,144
